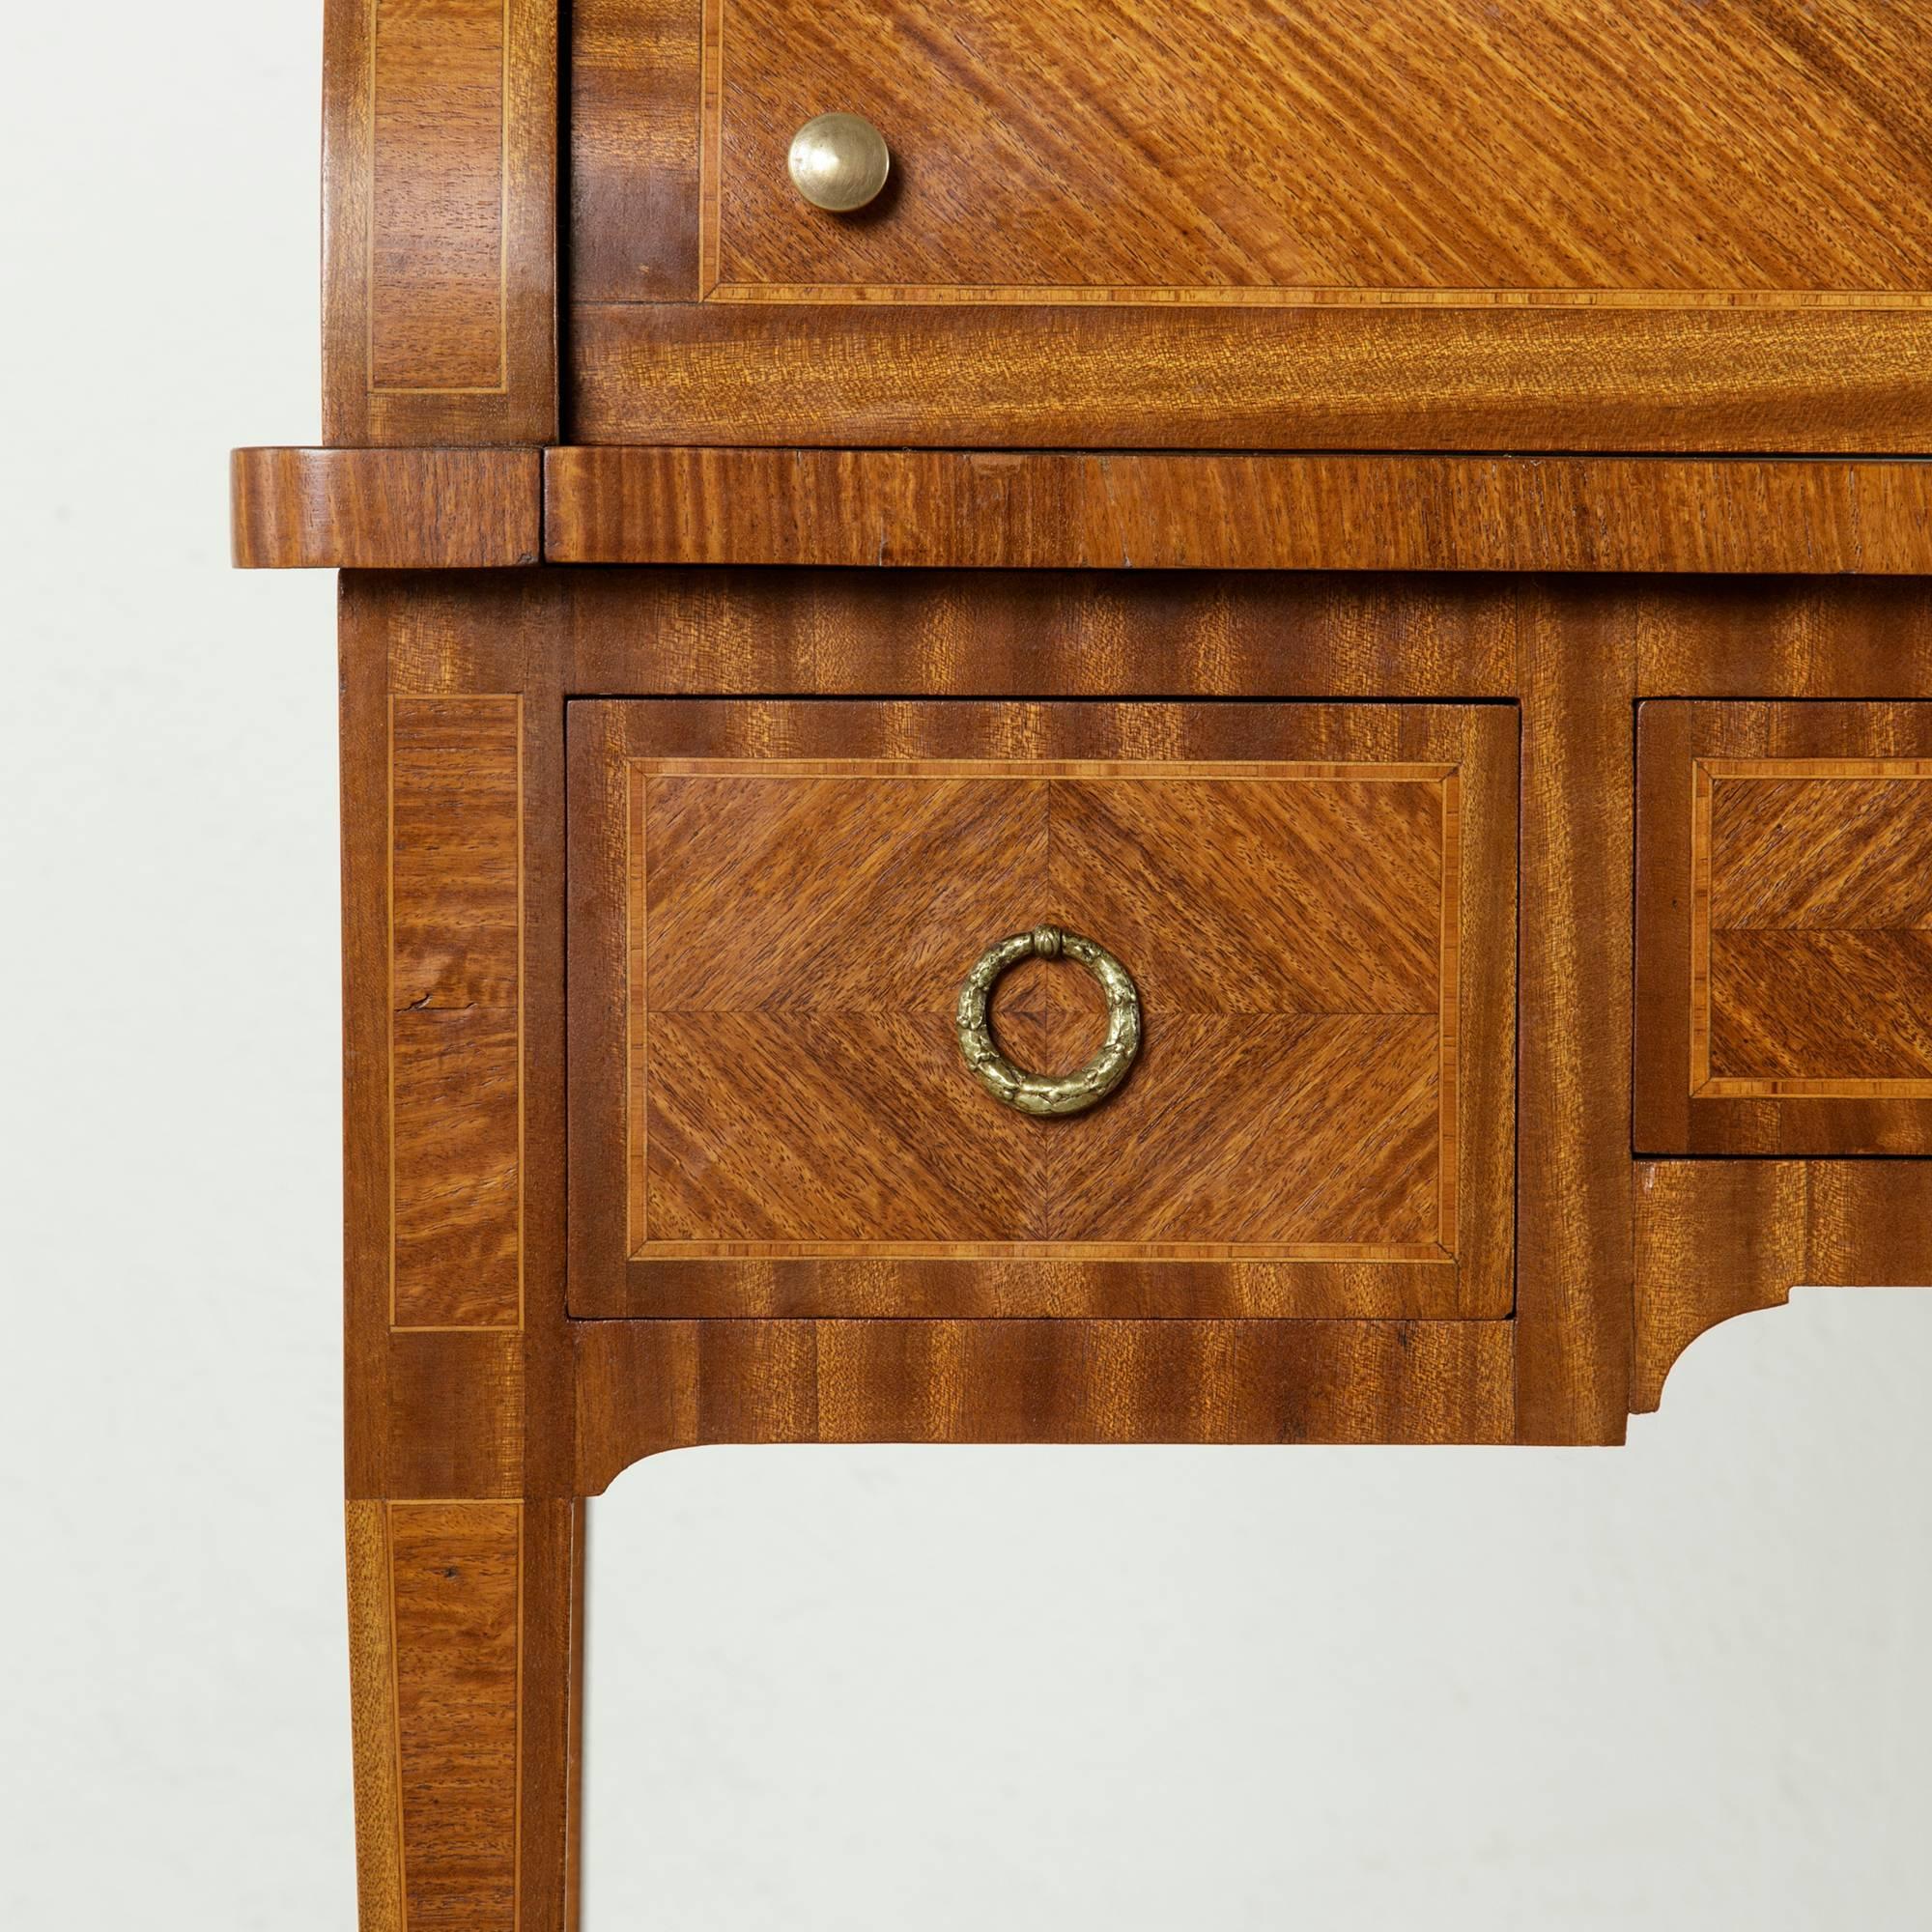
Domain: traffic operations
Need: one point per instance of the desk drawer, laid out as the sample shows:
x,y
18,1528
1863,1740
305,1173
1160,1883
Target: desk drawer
x,y
1784,928
775,908
1422,222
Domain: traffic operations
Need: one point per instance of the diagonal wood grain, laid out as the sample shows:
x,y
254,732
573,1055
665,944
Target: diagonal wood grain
x,y
789,928
1332,1136
1632,146
855,1127
1289,897
1821,854
819,894
1821,1008
1811,926
799,931
1785,923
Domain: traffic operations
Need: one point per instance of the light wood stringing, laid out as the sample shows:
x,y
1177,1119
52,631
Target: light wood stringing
x,y
1368,151
1442,779
439,221
437,1653
1784,920
1015,1263
1415,225
456,1007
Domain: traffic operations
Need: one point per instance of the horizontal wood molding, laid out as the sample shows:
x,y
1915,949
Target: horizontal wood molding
x,y
452,509
1176,510
1829,381
646,1386
386,509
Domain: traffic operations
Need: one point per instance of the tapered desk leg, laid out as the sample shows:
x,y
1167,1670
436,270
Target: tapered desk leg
x,y
465,1542
463,1665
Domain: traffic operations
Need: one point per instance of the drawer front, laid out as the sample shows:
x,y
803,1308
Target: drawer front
x,y
1536,200
1784,928
774,909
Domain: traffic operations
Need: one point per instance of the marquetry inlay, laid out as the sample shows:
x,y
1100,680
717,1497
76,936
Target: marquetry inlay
x,y
1811,928
437,1606
456,1012
799,931
439,189
1360,153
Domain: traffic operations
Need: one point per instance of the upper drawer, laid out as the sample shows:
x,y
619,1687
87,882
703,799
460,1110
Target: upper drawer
x,y
1258,222
774,910
1784,928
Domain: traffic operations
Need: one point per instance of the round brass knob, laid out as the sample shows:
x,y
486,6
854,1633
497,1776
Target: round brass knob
x,y
839,162
1036,1093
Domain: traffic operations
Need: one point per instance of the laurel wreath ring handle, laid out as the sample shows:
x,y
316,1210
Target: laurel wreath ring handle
x,y
1036,1093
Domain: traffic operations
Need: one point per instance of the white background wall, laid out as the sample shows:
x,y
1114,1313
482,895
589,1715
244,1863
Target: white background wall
x,y
1681,1687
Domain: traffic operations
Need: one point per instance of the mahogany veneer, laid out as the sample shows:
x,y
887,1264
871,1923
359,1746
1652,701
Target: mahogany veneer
x,y
1522,859
1317,903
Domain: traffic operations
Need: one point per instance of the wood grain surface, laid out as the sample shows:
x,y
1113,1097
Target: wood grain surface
x,y
439,128
1259,151
1785,903
1574,1262
1733,381
1715,1238
1144,510
1783,637
1355,227
434,1413
647,1386
1317,904
456,937
448,1384
466,1673
486,1422
384,509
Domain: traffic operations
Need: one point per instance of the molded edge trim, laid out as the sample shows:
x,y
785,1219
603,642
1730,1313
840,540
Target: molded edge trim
x,y
386,509
1177,510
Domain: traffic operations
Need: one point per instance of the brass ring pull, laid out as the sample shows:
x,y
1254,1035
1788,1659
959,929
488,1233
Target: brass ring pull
x,y
1036,1093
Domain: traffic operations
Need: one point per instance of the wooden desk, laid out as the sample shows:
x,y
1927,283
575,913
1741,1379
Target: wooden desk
x,y
1523,864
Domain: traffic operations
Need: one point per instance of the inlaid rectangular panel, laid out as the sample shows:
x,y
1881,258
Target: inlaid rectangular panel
x,y
437,190
1313,904
440,121
456,1013
1637,164
436,1651
1787,893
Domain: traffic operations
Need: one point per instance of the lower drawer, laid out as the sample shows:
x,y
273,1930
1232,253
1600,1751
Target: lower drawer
x,y
774,909
1784,928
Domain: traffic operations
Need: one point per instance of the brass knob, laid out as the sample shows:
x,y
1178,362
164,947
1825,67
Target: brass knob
x,y
839,162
